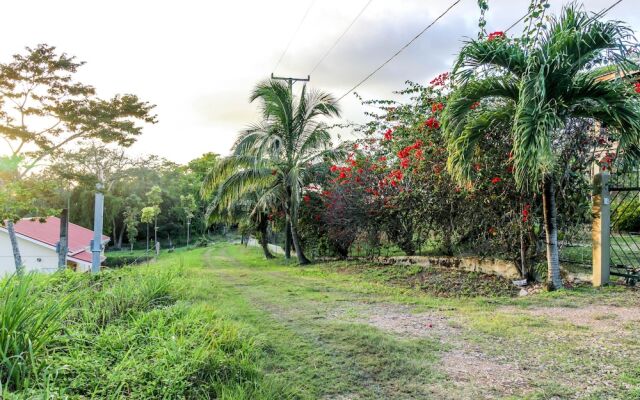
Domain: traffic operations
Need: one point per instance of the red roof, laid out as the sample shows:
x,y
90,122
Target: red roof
x,y
48,232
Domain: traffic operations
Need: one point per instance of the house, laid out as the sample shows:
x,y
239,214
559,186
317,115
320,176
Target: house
x,y
37,242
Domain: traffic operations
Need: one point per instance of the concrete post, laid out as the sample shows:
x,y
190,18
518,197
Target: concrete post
x,y
63,244
601,229
96,243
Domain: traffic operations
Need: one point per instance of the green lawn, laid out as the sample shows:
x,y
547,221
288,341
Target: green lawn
x,y
344,331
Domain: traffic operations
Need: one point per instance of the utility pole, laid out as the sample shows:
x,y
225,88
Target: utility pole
x,y
287,230
291,80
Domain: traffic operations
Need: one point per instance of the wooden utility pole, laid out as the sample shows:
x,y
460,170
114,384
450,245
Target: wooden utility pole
x,y
291,80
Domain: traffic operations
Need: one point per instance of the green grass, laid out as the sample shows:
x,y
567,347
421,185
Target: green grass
x,y
222,322
132,333
313,322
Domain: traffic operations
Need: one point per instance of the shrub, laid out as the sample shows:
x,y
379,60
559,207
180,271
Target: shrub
x,y
29,321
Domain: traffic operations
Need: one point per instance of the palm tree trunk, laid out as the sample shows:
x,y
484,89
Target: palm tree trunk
x,y
551,230
302,259
17,258
287,239
262,228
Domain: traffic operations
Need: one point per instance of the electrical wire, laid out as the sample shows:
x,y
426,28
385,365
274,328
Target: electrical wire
x,y
401,50
286,49
330,49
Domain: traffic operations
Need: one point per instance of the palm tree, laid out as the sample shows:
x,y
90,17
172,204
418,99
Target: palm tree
x,y
539,86
276,156
233,203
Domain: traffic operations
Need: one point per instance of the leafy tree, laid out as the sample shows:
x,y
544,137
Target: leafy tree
x,y
540,85
131,213
44,108
154,199
147,216
189,206
20,197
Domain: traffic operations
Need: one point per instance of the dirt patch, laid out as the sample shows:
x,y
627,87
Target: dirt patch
x,y
597,317
402,321
473,374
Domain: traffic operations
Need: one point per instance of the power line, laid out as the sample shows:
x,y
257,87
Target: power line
x,y
330,49
603,12
401,50
516,23
304,17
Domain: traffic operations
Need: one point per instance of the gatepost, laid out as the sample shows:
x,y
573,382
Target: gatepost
x,y
601,229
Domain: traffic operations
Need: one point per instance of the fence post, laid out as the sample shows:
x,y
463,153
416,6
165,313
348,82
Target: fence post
x,y
601,229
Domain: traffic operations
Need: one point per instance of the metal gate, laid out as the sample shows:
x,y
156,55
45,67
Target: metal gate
x,y
624,190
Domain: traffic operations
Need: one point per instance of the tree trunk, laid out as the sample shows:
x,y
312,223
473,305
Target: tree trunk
x,y
147,239
551,230
262,230
17,258
287,239
302,259
155,231
114,232
121,235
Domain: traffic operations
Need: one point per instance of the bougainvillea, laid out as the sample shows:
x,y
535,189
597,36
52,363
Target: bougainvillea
x,y
496,35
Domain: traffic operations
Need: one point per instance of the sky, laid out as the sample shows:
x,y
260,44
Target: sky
x,y
197,61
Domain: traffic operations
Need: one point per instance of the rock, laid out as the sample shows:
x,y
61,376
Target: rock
x,y
523,292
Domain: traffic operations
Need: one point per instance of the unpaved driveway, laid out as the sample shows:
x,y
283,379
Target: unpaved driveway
x,y
368,344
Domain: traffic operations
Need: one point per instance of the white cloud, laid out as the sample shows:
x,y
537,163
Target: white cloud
x,y
198,60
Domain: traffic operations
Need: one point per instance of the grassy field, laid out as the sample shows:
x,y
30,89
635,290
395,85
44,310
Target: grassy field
x,y
350,331
221,322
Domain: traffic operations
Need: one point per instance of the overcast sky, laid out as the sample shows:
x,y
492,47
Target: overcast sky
x,y
198,60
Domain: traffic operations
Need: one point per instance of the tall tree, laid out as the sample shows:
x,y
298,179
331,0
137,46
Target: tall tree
x,y
189,206
43,109
277,154
154,199
540,84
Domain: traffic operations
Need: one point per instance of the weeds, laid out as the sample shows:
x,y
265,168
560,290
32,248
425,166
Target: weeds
x,y
128,333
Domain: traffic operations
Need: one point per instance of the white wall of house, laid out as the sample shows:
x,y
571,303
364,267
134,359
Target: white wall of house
x,y
35,257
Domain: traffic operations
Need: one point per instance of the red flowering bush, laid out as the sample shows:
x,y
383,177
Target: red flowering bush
x,y
496,35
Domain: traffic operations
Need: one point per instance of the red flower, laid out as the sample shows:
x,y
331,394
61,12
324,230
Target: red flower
x,y
306,198
435,107
355,146
383,158
342,175
475,105
333,168
404,163
637,87
388,135
496,179
496,35
432,123
525,212
440,79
